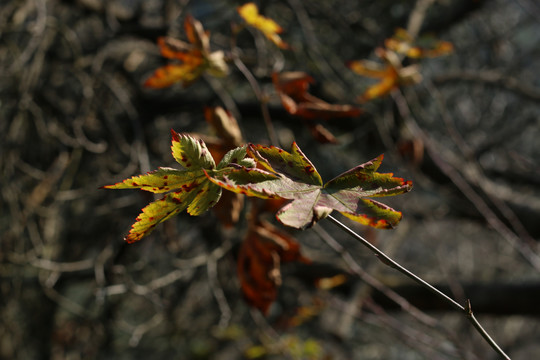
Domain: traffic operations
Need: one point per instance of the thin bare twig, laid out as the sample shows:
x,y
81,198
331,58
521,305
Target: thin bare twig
x,y
393,264
491,77
454,175
217,290
475,173
376,284
261,97
416,19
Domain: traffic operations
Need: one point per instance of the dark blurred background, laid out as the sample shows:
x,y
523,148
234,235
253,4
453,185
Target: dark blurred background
x,y
74,116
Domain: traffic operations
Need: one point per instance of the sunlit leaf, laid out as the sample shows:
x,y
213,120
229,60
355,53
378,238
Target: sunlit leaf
x,y
195,58
190,152
391,74
187,189
250,13
170,74
297,179
227,146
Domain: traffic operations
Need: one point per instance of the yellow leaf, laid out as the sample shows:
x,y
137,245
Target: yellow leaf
x,y
250,13
382,88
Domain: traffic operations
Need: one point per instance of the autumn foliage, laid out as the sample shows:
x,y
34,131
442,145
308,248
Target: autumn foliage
x,y
288,182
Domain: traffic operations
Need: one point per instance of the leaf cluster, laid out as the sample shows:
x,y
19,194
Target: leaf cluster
x,y
263,172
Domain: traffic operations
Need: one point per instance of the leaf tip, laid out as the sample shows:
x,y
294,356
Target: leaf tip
x,y
175,135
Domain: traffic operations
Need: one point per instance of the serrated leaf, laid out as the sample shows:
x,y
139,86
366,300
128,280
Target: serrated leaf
x,y
157,212
298,180
191,153
188,189
366,179
158,181
294,165
233,156
207,195
393,74
246,181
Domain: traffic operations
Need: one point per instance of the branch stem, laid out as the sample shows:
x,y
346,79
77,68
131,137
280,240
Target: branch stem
x,y
263,100
393,264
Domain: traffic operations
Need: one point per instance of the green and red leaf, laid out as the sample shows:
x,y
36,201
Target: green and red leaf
x,y
294,165
157,212
188,189
158,181
191,153
298,180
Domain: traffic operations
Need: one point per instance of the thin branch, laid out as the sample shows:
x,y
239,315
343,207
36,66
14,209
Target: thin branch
x,y
373,282
393,264
217,290
388,261
261,97
491,77
416,19
140,330
455,176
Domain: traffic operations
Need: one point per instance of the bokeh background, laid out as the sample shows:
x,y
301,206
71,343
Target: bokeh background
x,y
74,116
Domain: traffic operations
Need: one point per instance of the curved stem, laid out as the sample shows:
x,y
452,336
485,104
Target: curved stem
x,y
392,263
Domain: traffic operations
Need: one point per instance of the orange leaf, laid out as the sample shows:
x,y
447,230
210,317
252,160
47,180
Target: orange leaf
x,y
171,48
195,58
292,88
382,88
391,74
168,75
250,13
